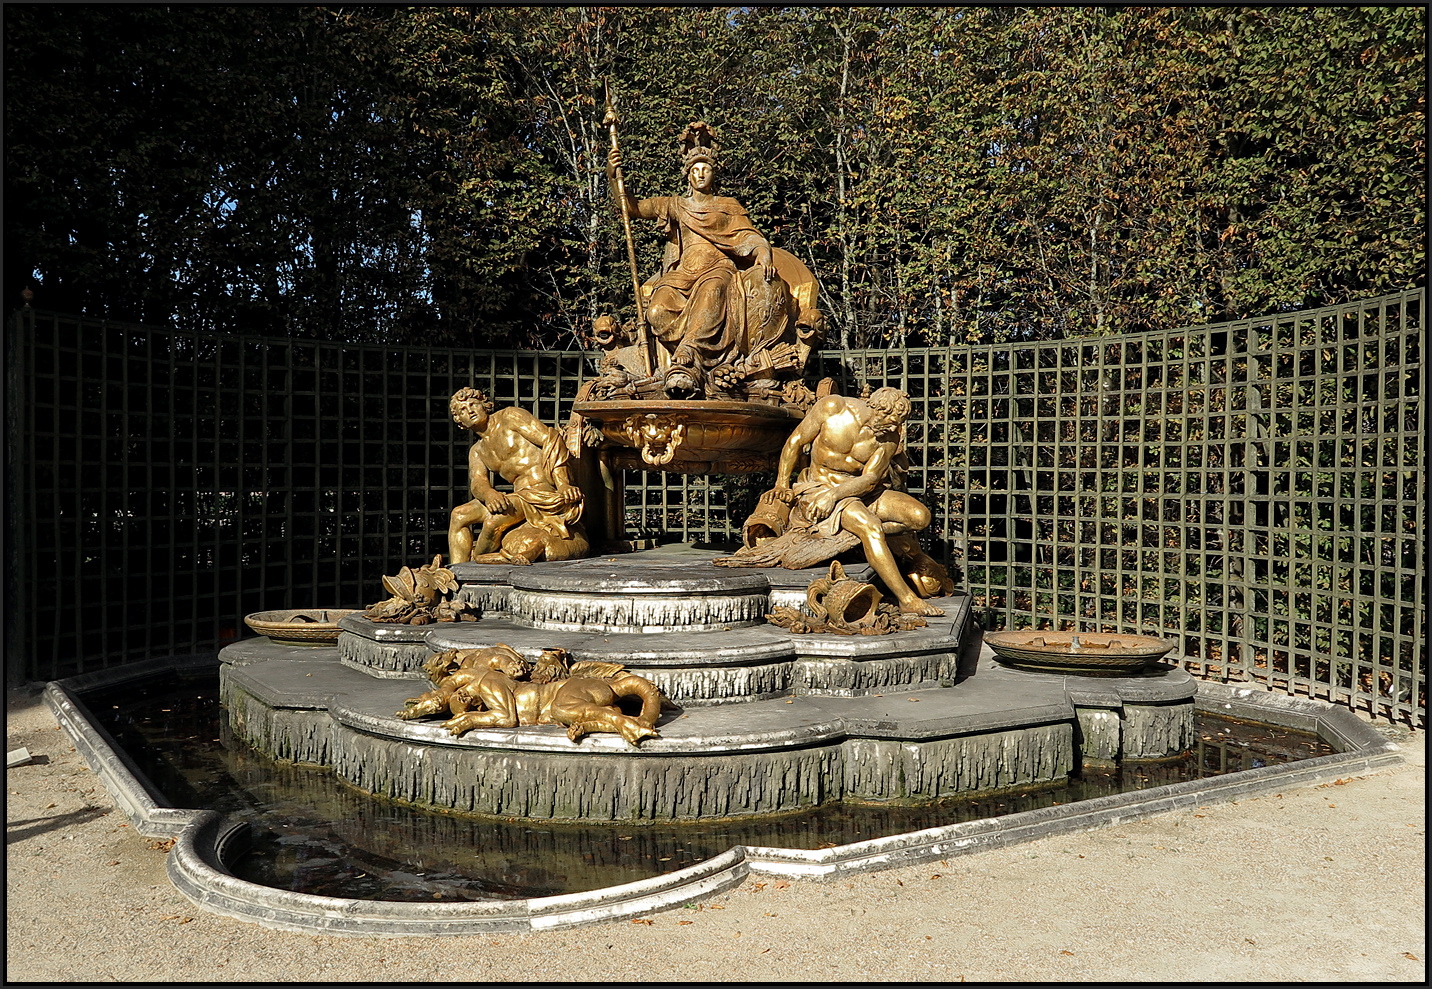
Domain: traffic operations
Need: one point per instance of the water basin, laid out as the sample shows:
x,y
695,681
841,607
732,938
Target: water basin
x,y
312,833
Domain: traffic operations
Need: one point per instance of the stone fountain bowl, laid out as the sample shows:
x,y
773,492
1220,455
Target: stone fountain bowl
x,y
1109,654
714,435
299,626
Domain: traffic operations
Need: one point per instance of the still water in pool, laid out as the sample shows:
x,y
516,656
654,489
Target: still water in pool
x,y
315,834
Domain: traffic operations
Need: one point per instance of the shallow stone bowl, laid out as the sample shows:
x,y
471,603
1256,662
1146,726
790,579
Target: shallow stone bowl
x,y
721,435
299,626
1110,654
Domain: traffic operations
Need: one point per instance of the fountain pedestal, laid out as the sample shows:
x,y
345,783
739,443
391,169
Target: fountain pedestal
x,y
769,721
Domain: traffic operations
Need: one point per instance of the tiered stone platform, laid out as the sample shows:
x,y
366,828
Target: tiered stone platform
x,y
768,721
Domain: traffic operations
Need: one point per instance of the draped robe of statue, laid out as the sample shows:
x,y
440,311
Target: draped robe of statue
x,y
699,303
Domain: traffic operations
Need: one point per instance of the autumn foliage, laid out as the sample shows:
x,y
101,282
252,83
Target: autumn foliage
x,y
950,174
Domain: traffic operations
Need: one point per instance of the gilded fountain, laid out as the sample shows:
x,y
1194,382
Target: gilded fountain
x,y
569,678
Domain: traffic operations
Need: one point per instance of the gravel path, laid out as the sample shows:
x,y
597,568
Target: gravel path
x,y
1323,882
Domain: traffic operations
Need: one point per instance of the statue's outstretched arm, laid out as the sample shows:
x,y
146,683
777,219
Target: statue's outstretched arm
x,y
646,209
802,437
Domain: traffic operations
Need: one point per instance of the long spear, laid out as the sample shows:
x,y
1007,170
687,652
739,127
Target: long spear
x,y
611,121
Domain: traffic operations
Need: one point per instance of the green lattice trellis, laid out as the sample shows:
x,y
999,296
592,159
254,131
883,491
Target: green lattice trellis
x,y
1253,489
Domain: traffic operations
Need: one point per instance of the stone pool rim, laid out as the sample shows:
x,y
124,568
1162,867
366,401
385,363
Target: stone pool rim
x,y
205,839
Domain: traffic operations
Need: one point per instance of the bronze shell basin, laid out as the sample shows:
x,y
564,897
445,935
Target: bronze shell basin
x,y
1096,653
692,436
299,626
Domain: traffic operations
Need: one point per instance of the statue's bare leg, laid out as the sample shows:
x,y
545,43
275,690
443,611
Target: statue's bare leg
x,y
598,719
501,708
901,516
460,524
900,513
522,546
864,524
494,527
587,705
924,573
651,696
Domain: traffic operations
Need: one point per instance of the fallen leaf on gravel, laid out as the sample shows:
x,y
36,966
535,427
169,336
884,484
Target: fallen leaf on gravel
x,y
717,906
642,920
185,920
114,862
1066,952
759,886
686,923
935,875
783,885
170,916
1408,954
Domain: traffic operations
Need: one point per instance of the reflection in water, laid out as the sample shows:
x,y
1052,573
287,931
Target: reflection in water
x,y
315,834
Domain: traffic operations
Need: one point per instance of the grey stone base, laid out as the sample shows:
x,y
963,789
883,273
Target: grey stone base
x,y
693,668
694,629
206,842
383,650
1000,729
641,592
559,783
740,665
1132,719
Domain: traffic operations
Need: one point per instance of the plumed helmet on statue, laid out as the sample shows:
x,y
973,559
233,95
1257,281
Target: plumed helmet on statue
x,y
698,143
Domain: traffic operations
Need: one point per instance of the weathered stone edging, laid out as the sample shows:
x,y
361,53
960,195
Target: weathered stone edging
x,y
205,840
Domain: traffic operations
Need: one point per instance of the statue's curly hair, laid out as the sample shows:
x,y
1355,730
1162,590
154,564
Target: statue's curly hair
x,y
891,401
467,398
